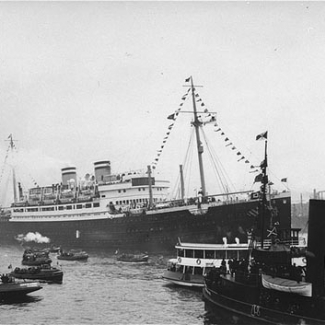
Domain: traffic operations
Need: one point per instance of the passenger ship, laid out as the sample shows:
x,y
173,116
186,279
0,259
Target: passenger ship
x,y
131,211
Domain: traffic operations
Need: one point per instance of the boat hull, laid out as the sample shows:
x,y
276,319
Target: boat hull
x,y
257,304
133,258
17,290
72,258
184,279
155,231
252,313
50,275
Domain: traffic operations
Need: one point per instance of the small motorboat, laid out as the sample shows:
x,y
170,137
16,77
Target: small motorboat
x,y
10,288
34,258
133,258
72,255
44,272
54,249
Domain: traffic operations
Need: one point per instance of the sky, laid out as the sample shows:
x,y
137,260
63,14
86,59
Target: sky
x,y
86,81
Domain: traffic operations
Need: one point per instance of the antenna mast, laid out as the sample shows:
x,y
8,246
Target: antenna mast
x,y
197,124
12,145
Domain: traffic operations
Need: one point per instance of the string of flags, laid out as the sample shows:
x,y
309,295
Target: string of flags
x,y
172,117
203,119
232,146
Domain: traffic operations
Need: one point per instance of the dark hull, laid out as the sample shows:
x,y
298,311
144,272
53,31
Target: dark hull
x,y
157,232
133,259
72,258
48,276
10,291
253,313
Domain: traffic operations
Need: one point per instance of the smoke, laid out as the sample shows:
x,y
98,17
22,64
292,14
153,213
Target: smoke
x,y
35,237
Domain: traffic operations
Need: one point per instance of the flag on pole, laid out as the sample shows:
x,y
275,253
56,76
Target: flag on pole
x,y
258,178
262,136
188,79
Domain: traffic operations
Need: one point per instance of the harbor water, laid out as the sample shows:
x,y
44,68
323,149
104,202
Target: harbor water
x,y
104,291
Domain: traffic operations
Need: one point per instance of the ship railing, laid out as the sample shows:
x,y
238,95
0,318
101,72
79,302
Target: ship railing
x,y
19,204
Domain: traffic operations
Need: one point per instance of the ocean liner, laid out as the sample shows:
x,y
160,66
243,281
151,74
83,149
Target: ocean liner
x,y
130,211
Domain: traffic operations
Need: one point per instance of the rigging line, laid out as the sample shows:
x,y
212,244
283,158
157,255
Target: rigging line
x,y
234,140
171,126
278,179
218,171
4,194
188,167
4,163
215,161
245,174
177,184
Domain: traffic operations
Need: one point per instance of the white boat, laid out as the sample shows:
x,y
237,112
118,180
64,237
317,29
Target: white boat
x,y
194,260
286,285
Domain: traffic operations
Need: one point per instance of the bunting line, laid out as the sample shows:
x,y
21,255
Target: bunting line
x,y
172,117
231,145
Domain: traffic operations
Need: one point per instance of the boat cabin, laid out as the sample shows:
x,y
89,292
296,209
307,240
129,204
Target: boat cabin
x,y
195,260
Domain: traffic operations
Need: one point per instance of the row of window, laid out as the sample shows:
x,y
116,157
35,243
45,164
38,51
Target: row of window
x,y
134,202
142,189
49,217
212,254
60,207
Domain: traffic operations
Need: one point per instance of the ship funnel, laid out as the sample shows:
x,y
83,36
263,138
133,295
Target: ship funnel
x,y
68,174
102,169
316,245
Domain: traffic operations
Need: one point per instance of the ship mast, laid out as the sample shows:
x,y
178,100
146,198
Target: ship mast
x,y
11,144
150,187
263,189
197,124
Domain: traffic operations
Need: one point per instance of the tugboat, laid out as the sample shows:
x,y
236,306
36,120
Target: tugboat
x,y
44,272
267,287
13,289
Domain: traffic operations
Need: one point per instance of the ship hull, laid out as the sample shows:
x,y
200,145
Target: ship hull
x,y
155,231
249,309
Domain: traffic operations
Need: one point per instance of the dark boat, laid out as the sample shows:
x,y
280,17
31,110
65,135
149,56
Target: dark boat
x,y
73,255
135,258
267,287
133,210
33,257
44,273
13,289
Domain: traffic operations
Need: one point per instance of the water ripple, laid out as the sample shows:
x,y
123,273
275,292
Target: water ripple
x,y
104,291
